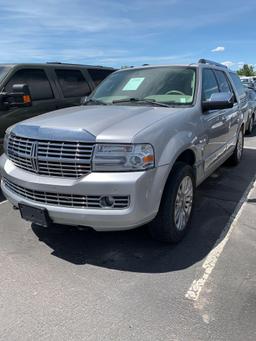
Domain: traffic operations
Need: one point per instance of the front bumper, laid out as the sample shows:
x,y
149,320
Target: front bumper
x,y
143,188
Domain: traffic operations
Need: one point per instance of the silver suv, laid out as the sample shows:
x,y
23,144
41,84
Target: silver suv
x,y
132,154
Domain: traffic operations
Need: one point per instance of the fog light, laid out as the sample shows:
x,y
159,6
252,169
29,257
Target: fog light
x,y
107,202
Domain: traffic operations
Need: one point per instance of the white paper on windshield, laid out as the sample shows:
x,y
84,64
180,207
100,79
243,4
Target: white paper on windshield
x,y
133,84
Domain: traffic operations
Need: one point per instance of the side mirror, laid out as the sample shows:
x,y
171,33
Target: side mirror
x,y
19,97
219,100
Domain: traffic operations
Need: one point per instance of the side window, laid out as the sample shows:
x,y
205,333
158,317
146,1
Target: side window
x,y
238,84
37,81
210,85
252,95
72,83
223,82
98,75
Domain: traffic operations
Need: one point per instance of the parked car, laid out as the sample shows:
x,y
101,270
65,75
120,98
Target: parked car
x,y
249,82
133,154
243,99
252,110
52,86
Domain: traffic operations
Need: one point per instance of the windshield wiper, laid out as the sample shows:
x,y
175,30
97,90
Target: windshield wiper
x,y
142,100
96,101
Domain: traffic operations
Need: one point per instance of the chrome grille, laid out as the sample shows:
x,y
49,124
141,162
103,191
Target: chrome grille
x,y
19,151
52,158
66,200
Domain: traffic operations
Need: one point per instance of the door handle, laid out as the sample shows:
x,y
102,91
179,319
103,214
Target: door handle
x,y
203,140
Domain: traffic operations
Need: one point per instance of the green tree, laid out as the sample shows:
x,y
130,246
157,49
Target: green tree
x,y
246,70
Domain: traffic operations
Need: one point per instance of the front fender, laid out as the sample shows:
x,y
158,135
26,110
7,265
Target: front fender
x,y
177,144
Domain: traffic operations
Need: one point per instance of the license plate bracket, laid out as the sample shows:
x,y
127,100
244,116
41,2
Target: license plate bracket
x,y
35,215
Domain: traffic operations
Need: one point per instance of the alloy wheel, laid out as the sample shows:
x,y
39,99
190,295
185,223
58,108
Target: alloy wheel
x,y
240,145
183,203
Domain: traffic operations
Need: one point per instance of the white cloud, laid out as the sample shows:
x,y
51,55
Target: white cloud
x,y
101,31
147,59
236,65
219,49
228,63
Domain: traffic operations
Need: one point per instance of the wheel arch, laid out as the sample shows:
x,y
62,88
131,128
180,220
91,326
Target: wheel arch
x,y
188,157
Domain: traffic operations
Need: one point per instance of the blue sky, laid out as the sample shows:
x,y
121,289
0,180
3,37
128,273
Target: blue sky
x,y
115,33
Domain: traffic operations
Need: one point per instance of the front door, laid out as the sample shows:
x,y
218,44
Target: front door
x,y
43,99
216,125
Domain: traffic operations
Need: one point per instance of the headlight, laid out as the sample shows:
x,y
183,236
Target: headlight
x,y
6,140
123,157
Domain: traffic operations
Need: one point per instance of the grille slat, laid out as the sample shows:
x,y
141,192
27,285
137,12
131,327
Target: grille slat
x,y
64,155
55,147
60,159
53,158
65,200
64,166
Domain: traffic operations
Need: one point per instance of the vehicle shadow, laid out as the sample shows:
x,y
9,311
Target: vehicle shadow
x,y
135,251
253,134
2,198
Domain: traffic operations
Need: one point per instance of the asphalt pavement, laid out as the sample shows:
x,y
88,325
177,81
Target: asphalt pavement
x,y
69,284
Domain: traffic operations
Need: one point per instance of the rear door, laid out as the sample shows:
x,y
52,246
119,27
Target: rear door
x,y
243,98
42,93
72,84
252,101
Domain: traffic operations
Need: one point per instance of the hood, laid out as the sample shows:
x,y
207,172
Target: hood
x,y
107,123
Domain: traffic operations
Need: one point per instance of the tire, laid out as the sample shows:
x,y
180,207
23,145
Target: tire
x,y
250,126
237,155
166,227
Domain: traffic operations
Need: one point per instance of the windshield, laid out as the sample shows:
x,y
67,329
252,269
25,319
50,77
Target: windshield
x,y
170,85
3,71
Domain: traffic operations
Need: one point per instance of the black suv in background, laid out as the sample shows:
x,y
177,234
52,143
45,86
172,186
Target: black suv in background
x,y
52,86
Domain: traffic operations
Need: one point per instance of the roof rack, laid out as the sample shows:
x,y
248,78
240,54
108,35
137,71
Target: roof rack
x,y
206,61
60,63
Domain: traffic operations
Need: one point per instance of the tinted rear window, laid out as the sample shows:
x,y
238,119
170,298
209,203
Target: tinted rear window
x,y
72,83
99,75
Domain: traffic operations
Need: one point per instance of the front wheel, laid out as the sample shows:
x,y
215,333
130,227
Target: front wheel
x,y
250,126
174,216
